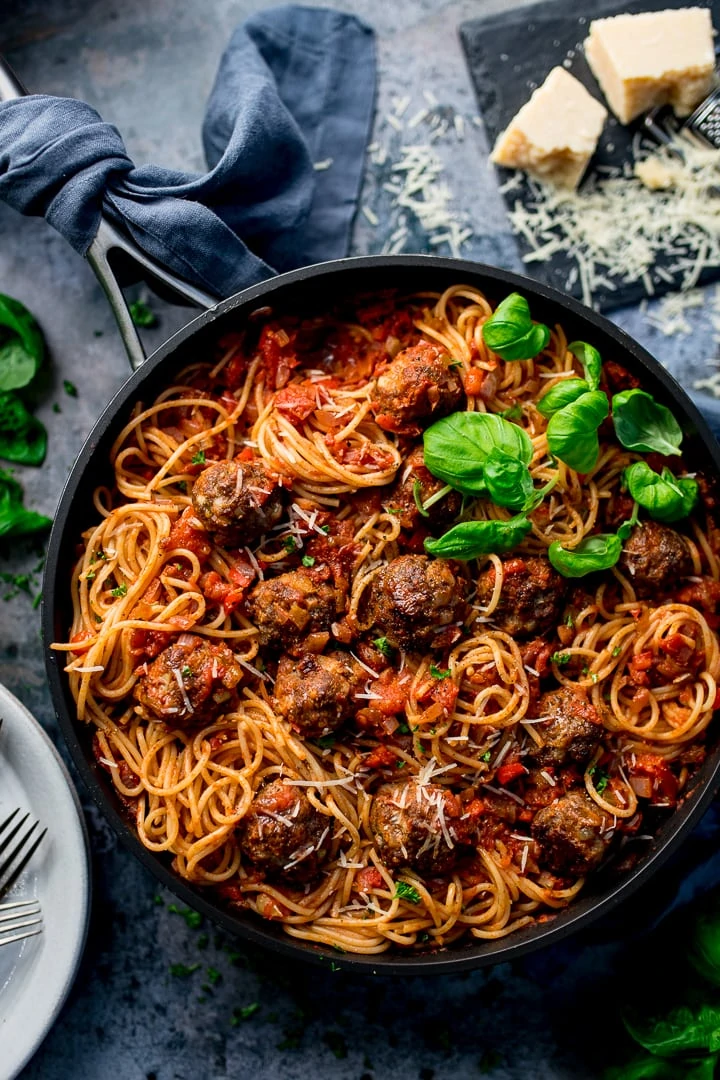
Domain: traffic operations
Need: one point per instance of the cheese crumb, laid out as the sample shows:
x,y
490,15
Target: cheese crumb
x,y
654,58
555,133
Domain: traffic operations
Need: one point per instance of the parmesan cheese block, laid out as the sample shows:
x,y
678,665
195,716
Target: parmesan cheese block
x,y
555,134
656,58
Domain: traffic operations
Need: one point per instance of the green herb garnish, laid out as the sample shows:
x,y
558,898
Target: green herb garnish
x,y
440,673
470,539
308,560
182,971
244,1012
511,333
142,315
560,658
290,544
404,891
665,497
70,388
383,646
572,431
598,552
119,590
198,458
599,778
457,447
641,423
22,348
15,520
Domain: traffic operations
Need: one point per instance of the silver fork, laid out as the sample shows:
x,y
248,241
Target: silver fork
x,y
18,844
18,920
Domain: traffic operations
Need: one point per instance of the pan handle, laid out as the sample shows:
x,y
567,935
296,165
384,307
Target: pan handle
x,y
109,239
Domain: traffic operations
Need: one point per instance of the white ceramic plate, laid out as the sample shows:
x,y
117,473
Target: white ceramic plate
x,y
36,974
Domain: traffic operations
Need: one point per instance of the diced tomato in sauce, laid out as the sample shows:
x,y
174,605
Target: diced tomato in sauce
x,y
188,534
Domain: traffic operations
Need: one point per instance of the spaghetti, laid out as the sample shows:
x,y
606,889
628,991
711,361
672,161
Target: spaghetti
x,y
329,727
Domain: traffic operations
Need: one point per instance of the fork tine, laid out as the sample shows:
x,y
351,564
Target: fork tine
x,y
33,908
10,855
20,924
7,820
18,903
15,874
20,936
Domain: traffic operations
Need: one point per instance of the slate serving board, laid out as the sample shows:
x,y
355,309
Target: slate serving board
x,y
509,54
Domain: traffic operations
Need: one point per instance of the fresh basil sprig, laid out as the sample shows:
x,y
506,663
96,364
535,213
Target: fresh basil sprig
x,y
666,497
598,552
561,394
589,357
511,333
572,431
15,520
470,539
642,423
457,447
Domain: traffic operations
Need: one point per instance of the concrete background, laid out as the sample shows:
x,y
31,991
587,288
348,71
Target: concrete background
x,y
148,65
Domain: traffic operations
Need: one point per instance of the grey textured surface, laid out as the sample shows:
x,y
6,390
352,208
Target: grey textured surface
x,y
148,67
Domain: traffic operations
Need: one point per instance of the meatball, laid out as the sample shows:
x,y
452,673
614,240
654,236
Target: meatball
x,y
315,693
402,496
654,558
570,834
412,598
407,826
573,731
418,384
239,502
531,599
287,608
284,834
189,682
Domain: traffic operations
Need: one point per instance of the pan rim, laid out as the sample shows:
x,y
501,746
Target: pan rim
x,y
455,958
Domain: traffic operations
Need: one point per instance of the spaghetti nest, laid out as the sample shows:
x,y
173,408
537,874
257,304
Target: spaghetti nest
x,y
330,727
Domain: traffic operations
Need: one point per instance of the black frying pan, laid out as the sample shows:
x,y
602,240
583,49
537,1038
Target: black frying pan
x,y
316,289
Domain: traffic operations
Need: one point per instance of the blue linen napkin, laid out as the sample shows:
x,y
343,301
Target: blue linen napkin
x,y
295,86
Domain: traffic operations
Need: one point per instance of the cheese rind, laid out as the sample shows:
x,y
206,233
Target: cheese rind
x,y
654,58
555,133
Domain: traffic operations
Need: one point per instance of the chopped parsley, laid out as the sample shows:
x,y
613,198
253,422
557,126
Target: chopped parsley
x,y
192,918
159,901
617,650
70,388
440,673
383,646
486,756
570,621
290,544
90,576
181,971
214,976
198,458
599,778
325,741
403,891
560,658
142,315
244,1012
56,407
308,560
186,671
403,729
119,590
594,677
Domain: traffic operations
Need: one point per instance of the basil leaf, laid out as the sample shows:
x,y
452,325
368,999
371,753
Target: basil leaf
x,y
511,333
22,438
589,357
681,1029
641,423
562,394
598,552
15,520
704,953
457,447
665,497
508,480
22,352
572,432
470,539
